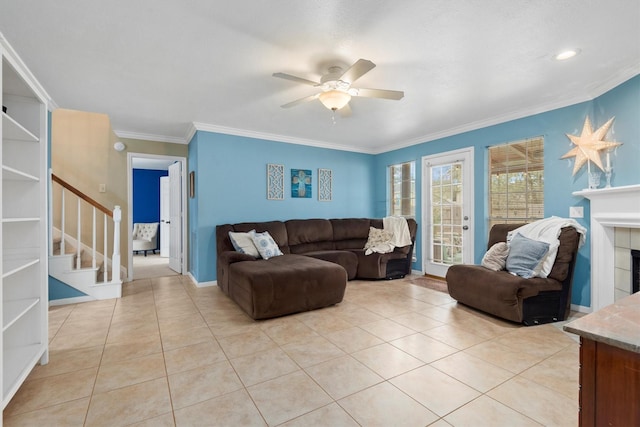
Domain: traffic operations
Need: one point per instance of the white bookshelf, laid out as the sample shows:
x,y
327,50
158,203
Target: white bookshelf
x,y
23,236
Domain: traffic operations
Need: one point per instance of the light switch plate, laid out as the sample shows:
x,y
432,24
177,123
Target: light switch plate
x,y
576,212
102,188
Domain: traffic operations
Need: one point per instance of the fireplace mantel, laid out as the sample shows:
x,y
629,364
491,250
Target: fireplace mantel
x,y
610,207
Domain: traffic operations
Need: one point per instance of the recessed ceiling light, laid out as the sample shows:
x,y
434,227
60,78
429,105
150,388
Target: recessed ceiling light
x,y
566,54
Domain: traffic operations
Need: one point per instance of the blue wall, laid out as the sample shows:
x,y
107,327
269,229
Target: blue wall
x,y
146,196
231,187
622,102
231,176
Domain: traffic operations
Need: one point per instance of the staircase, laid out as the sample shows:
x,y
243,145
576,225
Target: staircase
x,y
74,258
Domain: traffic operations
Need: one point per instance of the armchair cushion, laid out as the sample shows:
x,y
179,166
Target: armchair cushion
x,y
526,256
145,236
496,257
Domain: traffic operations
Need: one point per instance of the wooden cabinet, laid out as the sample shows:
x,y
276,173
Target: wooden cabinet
x,y
609,385
23,248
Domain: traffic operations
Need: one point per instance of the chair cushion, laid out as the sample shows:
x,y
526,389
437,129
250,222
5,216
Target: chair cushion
x,y
526,256
496,257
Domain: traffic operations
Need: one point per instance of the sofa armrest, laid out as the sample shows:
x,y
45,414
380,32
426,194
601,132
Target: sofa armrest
x,y
229,257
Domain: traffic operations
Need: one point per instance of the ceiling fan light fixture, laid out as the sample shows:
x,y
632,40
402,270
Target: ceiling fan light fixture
x,y
334,99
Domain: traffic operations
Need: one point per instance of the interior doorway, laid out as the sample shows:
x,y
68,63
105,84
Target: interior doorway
x,y
149,170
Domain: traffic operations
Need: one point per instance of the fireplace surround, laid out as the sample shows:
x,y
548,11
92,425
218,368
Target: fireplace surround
x,y
610,207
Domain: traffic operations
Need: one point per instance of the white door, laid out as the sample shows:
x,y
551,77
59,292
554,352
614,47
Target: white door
x,y
165,218
447,182
175,217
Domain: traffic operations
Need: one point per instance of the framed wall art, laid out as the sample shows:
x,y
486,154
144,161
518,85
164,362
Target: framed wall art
x,y
192,184
275,182
325,185
301,183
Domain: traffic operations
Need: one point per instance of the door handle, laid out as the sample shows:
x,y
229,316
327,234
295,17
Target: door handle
x,y
465,227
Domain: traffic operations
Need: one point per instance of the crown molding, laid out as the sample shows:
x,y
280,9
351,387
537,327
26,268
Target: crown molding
x,y
591,94
480,124
274,137
617,79
150,137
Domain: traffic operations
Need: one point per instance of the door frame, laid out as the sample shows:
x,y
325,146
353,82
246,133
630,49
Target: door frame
x,y
164,233
183,204
466,154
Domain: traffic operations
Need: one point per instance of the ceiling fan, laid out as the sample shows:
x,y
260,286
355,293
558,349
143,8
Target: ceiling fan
x,y
336,90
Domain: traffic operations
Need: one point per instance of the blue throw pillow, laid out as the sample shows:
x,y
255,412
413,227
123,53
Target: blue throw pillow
x,y
267,247
526,256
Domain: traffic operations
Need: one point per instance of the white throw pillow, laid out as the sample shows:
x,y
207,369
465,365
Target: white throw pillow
x,y
267,247
243,243
496,257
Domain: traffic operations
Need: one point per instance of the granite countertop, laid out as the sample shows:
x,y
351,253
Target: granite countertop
x,y
617,324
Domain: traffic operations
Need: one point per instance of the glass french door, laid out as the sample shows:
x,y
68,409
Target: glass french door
x,y
448,213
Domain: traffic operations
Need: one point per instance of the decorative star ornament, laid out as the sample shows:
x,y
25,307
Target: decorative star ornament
x,y
589,144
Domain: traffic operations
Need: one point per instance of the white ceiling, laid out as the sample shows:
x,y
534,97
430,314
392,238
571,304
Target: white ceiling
x,y
157,66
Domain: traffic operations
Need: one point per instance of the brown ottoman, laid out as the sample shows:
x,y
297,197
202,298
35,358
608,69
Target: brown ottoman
x,y
285,284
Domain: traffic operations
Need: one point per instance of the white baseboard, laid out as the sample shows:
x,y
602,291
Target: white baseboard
x,y
417,272
67,301
202,284
581,308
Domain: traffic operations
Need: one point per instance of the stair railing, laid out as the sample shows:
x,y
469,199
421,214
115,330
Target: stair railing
x,y
83,202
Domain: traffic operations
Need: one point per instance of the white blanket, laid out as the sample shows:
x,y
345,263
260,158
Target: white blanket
x,y
400,229
548,230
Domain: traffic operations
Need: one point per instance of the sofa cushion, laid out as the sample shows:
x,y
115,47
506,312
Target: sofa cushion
x,y
347,259
266,245
526,256
350,229
243,242
308,235
276,229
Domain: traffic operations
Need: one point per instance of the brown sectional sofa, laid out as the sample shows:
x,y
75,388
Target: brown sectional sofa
x,y
320,255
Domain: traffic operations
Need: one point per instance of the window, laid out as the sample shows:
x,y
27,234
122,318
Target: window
x,y
403,189
516,181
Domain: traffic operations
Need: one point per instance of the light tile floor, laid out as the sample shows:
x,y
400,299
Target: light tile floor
x,y
392,353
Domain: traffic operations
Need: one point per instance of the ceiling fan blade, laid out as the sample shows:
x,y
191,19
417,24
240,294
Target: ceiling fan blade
x,y
377,93
357,70
295,79
300,101
345,111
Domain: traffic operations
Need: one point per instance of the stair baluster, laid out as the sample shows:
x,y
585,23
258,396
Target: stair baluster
x,y
79,273
79,234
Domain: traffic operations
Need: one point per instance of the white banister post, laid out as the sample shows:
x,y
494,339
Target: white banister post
x,y
50,212
79,241
62,249
93,241
105,238
115,261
